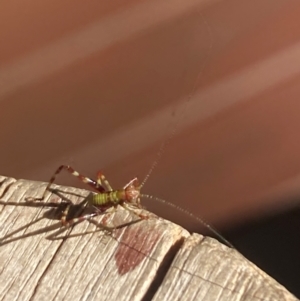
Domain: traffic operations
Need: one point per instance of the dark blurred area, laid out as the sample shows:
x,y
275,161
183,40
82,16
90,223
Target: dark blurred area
x,y
99,85
273,244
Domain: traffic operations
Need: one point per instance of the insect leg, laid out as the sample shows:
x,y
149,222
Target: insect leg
x,y
103,224
101,180
71,222
142,216
63,218
68,224
133,182
68,168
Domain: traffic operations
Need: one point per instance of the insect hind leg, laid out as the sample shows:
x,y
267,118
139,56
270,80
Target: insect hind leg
x,y
82,178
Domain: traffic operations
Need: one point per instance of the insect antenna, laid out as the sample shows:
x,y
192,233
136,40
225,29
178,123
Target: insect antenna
x,y
185,211
167,141
182,114
158,158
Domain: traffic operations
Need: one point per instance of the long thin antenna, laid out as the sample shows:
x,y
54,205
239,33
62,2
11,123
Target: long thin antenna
x,y
165,142
175,128
205,224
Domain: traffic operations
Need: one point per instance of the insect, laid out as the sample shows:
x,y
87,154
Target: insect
x,y
107,200
101,202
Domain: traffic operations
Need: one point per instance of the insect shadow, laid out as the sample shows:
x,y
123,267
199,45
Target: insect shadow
x,y
56,211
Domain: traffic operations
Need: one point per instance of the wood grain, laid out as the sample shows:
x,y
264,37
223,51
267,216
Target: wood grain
x,y
150,259
206,270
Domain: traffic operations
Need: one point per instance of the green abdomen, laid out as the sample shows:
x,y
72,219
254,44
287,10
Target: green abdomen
x,y
105,198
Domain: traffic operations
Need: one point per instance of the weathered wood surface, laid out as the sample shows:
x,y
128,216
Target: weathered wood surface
x,y
152,259
204,269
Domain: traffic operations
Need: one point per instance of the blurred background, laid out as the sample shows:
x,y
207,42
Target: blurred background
x,y
99,85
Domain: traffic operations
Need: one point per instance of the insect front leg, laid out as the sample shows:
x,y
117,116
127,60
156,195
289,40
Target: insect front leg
x,y
133,182
140,215
103,224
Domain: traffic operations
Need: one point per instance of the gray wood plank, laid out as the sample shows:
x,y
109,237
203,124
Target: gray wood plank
x,y
94,266
204,269
135,263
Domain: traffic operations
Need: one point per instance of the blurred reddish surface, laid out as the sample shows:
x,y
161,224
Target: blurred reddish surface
x,y
99,85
